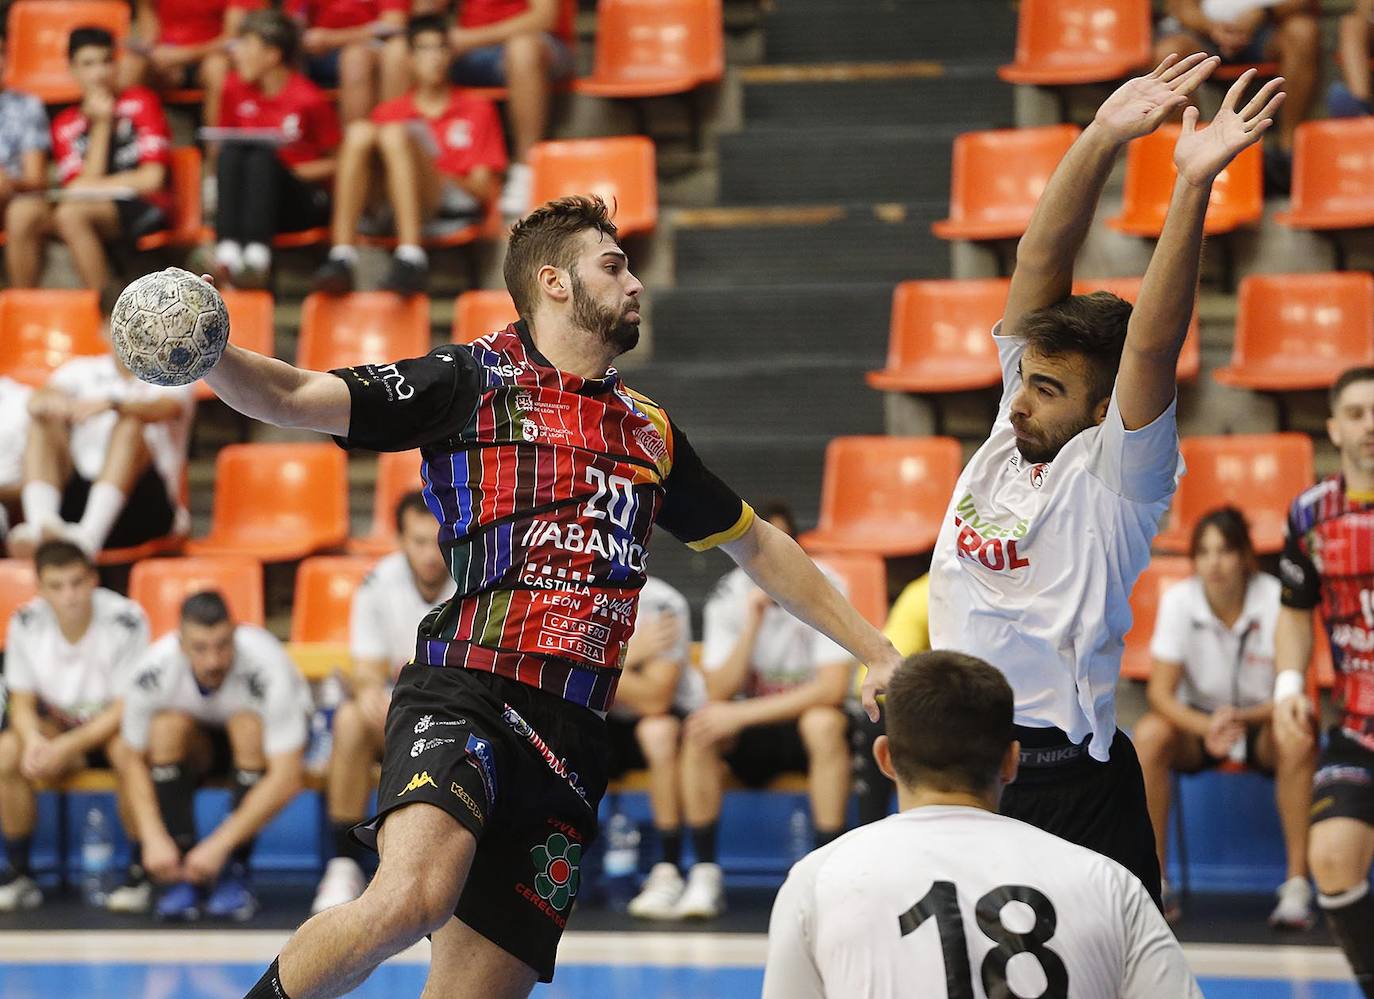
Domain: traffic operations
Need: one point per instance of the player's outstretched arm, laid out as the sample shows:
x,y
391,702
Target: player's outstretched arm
x,y
1045,254
1146,381
273,391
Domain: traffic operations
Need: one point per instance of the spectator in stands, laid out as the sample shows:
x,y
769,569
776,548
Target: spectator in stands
x,y
388,607
355,45
775,688
104,457
434,154
1258,31
67,654
112,150
24,139
266,187
1350,96
14,432
1209,694
210,699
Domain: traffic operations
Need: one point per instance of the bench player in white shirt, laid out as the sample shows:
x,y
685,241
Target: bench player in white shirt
x,y
1051,521
68,652
949,900
388,607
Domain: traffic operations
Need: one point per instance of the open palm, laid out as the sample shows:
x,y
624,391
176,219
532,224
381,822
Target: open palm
x,y
1201,154
1141,105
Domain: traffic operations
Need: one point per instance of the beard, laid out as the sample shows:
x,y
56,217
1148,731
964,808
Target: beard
x,y
1042,449
609,324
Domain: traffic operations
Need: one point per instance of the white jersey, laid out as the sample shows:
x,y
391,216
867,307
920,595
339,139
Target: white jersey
x,y
387,608
14,429
655,598
947,902
1034,564
263,680
74,681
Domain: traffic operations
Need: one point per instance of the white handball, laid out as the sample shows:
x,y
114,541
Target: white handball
x,y
169,328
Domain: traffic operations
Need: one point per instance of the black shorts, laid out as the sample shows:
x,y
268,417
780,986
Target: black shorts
x,y
138,218
625,754
762,752
1343,786
1210,762
147,513
524,771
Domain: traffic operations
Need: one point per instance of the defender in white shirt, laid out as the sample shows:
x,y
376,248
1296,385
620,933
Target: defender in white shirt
x,y
1051,521
949,900
67,654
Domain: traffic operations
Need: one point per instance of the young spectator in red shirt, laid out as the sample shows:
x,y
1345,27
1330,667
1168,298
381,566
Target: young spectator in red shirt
x,y
355,45
276,184
112,151
440,153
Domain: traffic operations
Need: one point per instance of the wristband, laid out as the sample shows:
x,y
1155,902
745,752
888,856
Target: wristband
x,y
1289,683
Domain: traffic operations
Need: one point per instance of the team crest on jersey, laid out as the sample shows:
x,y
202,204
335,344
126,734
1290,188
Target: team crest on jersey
x,y
459,135
1038,473
529,431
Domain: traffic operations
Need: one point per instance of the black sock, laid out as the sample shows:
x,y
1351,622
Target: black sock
x,y
671,842
243,782
176,799
18,852
345,845
136,861
823,836
704,842
1352,924
269,985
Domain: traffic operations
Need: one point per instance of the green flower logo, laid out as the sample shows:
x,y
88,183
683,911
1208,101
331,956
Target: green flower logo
x,y
557,862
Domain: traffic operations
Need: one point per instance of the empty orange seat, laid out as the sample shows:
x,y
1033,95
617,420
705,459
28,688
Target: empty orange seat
x,y
940,338
996,179
1259,473
1189,358
398,473
884,495
366,327
325,586
277,502
1062,42
161,585
41,329
477,313
648,48
250,326
17,587
186,223
1300,331
865,578
36,45
1237,194
1162,572
621,170
1333,175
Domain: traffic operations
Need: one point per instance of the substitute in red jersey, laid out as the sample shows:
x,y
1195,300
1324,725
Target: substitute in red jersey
x,y
433,156
355,45
112,151
1328,563
273,176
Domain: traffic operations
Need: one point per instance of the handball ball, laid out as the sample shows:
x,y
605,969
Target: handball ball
x,y
169,328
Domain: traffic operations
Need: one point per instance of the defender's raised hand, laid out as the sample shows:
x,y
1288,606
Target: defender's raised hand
x,y
1140,106
1202,154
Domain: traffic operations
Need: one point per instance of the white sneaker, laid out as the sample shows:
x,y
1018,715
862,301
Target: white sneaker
x,y
704,896
343,881
1294,911
659,897
20,892
134,896
515,195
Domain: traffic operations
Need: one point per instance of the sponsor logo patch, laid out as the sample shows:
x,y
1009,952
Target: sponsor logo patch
x,y
557,863
425,745
462,795
480,756
559,766
427,722
418,781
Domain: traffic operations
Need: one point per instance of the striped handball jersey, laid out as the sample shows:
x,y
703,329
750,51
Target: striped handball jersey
x,y
546,487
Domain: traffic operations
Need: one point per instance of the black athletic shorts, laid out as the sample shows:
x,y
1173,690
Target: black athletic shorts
x,y
625,754
1210,762
1343,786
524,771
147,513
762,752
138,218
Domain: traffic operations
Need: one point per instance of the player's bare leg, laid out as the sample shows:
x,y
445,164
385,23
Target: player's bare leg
x,y
1161,747
658,737
466,965
84,226
357,745
28,220
1293,765
703,775
412,182
1340,851
353,180
824,732
18,811
357,81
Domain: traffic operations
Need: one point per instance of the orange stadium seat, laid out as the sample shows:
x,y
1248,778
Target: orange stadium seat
x,y
1062,42
1162,572
649,48
36,46
621,170
1259,473
398,473
17,587
477,313
161,585
884,495
865,579
1333,175
1189,358
1237,195
250,326
1300,331
325,585
277,502
41,329
996,179
366,327
940,339
186,221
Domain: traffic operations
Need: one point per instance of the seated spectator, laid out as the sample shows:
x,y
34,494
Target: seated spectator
x,y
1350,96
434,154
67,654
388,607
14,432
275,185
112,150
24,139
104,457
354,45
776,688
1209,693
210,699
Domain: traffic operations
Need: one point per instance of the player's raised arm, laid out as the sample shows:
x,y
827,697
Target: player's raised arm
x,y
270,390
1045,254
1146,382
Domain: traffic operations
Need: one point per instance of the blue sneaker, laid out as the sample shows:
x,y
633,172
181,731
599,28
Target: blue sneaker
x,y
231,898
179,902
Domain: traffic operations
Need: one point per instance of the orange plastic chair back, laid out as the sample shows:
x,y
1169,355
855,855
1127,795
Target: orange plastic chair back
x,y
187,224
1061,42
477,313
17,587
1163,572
161,585
366,327
940,339
251,319
36,46
41,329
621,170
325,586
865,578
998,176
647,48
1333,175
398,473
1189,358
1237,195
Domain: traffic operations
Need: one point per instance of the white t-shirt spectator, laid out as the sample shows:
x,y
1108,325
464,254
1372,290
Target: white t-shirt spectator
x,y
75,681
787,652
1221,666
1035,562
14,429
949,894
263,680
386,611
656,598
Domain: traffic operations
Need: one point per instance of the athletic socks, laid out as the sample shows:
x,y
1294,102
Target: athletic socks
x,y
103,507
412,254
671,842
176,790
269,985
345,253
41,502
1351,918
345,845
243,782
823,836
257,256
704,842
17,850
229,255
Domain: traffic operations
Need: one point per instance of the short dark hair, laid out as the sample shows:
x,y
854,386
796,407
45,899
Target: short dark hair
x,y
206,608
771,508
1092,326
412,501
59,554
88,37
1231,524
949,721
424,24
545,236
275,30
1363,373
